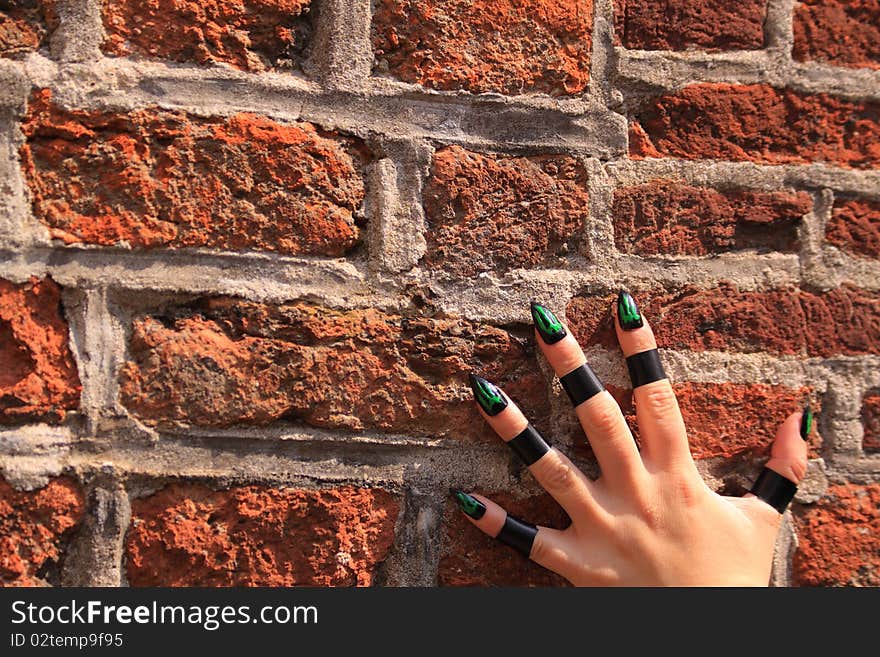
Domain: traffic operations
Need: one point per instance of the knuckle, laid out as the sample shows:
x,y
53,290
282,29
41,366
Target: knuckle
x,y
557,475
540,549
605,419
659,400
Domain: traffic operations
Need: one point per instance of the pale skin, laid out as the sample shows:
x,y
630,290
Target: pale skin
x,y
649,519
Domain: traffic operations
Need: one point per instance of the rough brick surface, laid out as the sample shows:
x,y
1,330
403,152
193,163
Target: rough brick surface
x,y
841,321
490,212
840,32
757,123
664,217
470,558
839,539
253,35
871,421
504,46
189,535
225,362
156,178
38,377
727,420
24,25
855,227
33,528
688,25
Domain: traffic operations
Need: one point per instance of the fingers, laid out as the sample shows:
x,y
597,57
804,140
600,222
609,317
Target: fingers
x,y
553,470
542,545
777,483
599,414
661,426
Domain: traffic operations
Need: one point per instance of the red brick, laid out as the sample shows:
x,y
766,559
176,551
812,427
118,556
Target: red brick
x,y
34,526
687,25
38,379
855,227
839,539
153,178
840,32
190,535
843,321
253,35
664,217
489,212
728,420
505,46
24,25
222,362
470,558
757,123
871,421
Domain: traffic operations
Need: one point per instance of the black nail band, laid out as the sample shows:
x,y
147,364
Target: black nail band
x,y
774,489
518,534
529,445
581,384
645,367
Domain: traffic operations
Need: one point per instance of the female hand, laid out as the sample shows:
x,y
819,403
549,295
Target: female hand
x,y
650,519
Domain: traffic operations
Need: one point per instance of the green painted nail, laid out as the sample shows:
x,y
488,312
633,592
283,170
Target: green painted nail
x,y
806,421
548,325
469,504
628,312
488,395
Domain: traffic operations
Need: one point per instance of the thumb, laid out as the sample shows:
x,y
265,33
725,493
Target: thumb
x,y
788,455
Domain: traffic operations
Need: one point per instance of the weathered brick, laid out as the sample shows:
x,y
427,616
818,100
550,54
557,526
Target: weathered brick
x,y
841,321
687,25
490,212
34,526
470,558
38,379
154,178
840,32
253,35
839,538
671,218
871,421
757,123
24,25
503,46
728,420
222,362
855,227
190,535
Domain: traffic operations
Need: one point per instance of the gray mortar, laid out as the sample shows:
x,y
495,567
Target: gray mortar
x,y
118,459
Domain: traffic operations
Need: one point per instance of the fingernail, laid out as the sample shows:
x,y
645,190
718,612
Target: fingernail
x,y
487,394
469,504
806,421
548,325
628,312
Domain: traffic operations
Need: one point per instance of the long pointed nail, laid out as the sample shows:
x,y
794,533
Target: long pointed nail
x,y
549,327
806,421
469,504
628,312
487,394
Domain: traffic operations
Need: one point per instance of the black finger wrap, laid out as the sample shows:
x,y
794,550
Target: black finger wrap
x,y
529,445
518,534
645,367
581,384
774,489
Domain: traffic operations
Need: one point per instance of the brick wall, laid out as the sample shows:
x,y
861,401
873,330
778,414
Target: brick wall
x,y
249,251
